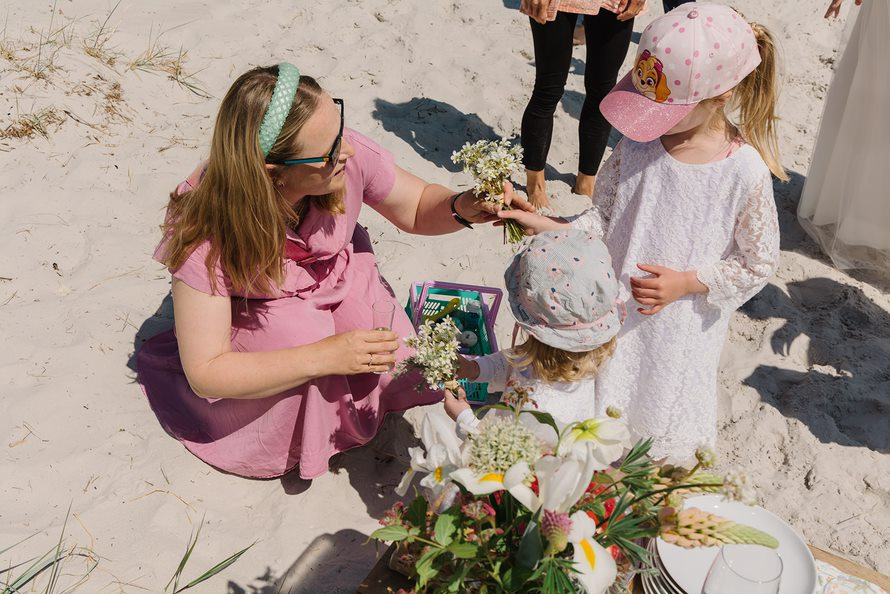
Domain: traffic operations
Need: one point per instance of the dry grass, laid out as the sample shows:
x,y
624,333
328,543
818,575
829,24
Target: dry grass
x,y
96,45
49,43
7,51
114,101
32,124
163,59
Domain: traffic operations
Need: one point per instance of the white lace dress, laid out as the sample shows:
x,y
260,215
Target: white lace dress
x,y
716,218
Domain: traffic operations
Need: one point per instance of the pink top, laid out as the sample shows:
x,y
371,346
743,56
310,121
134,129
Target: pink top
x,y
329,290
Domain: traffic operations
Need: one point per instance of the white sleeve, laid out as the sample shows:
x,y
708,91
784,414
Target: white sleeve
x,y
595,220
465,423
754,256
494,370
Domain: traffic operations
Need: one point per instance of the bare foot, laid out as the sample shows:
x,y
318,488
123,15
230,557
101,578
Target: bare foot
x,y
536,189
584,185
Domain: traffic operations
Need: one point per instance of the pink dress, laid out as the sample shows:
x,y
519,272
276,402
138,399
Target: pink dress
x,y
329,290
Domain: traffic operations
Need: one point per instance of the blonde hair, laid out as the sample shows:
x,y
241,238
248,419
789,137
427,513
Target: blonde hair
x,y
236,206
755,98
551,364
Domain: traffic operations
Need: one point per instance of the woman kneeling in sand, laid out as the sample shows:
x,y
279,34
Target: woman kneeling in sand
x,y
273,363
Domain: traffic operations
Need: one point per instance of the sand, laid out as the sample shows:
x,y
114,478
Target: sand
x,y
804,386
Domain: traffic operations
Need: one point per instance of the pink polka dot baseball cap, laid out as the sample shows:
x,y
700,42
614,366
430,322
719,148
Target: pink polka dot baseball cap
x,y
562,290
697,51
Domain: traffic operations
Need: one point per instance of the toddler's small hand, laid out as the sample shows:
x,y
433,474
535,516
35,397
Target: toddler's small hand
x,y
455,403
532,222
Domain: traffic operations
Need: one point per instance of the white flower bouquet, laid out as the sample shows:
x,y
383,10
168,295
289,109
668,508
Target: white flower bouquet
x,y
435,354
527,505
491,163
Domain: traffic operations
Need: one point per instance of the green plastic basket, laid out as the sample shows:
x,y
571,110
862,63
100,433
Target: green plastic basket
x,y
432,297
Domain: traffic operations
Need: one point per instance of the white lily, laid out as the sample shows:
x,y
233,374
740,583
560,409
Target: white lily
x,y
561,481
441,458
604,438
485,482
596,567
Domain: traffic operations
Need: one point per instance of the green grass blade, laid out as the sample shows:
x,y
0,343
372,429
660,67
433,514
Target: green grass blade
x,y
10,547
57,567
32,572
193,540
215,569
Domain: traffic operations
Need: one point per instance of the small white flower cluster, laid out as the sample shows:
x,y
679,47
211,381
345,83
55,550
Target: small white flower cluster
x,y
500,443
491,163
435,353
706,457
737,487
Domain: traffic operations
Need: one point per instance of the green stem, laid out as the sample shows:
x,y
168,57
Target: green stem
x,y
665,492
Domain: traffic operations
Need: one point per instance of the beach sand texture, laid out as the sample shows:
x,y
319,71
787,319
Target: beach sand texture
x,y
120,113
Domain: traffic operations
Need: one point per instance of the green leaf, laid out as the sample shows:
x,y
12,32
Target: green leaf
x,y
215,569
463,550
445,528
496,406
531,547
424,567
516,577
390,533
416,512
542,417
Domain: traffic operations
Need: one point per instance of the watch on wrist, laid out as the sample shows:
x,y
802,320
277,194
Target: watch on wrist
x,y
455,215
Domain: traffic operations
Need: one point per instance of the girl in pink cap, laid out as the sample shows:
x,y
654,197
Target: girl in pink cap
x,y
685,206
274,362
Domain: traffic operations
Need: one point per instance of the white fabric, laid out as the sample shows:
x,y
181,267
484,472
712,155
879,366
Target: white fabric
x,y
716,218
845,205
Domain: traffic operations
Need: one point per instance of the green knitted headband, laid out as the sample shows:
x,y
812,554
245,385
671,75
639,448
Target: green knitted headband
x,y
279,106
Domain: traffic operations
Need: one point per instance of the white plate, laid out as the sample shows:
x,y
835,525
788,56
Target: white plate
x,y
689,567
669,585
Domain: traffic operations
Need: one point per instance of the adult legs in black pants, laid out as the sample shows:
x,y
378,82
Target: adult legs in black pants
x,y
607,43
669,5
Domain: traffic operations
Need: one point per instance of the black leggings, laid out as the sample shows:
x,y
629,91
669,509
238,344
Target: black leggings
x,y
607,43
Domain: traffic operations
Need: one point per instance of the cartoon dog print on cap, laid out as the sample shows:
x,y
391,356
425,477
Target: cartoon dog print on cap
x,y
649,79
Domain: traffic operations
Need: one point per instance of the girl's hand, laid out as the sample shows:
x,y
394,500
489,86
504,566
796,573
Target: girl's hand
x,y
628,9
834,9
455,403
358,351
480,211
532,222
664,288
536,9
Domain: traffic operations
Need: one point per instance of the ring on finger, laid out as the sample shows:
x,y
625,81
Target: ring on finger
x,y
371,360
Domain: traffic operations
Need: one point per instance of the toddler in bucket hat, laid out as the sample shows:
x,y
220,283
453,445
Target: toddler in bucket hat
x,y
564,295
562,291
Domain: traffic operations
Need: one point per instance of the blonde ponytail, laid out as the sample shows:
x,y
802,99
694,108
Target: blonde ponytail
x,y
756,97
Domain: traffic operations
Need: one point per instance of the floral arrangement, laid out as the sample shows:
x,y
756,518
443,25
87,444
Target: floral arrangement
x,y
527,505
435,354
491,163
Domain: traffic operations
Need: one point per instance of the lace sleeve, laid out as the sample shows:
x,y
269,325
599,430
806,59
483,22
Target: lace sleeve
x,y
754,257
494,370
595,220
